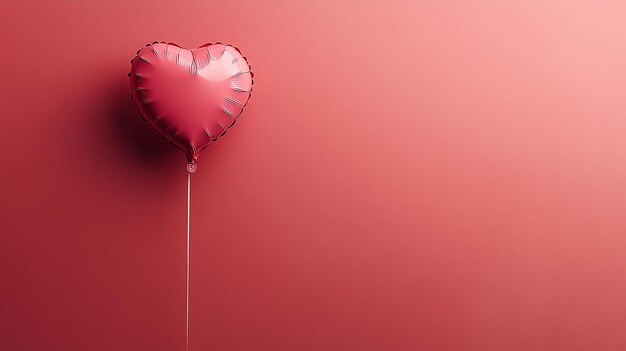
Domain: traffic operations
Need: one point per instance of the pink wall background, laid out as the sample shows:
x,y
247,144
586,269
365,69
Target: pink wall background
x,y
409,175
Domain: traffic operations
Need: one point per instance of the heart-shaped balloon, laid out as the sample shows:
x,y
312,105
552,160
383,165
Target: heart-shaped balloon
x,y
190,96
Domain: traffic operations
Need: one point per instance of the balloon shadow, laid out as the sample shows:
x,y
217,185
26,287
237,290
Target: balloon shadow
x,y
134,135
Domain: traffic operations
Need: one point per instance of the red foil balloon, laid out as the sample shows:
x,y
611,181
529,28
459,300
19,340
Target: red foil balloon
x,y
190,96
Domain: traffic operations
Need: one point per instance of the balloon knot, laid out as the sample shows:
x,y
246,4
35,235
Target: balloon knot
x,y
192,167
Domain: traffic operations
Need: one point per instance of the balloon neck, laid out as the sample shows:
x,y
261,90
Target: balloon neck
x,y
192,167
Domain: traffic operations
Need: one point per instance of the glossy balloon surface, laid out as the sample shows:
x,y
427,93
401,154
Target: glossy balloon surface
x,y
190,96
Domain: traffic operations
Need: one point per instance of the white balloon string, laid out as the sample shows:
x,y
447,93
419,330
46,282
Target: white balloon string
x,y
187,280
